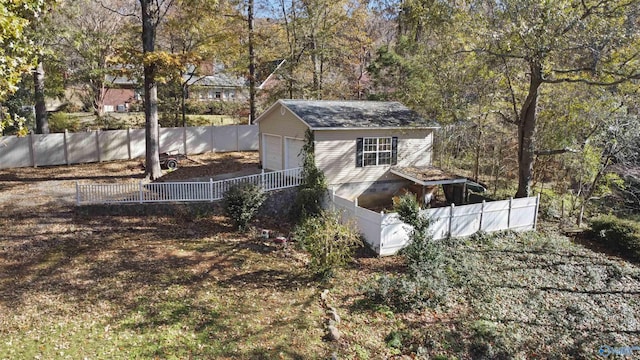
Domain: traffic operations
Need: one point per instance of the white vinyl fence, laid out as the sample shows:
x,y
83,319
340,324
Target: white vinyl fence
x,y
95,146
386,234
180,191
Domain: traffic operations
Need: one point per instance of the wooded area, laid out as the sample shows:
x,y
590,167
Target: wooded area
x,y
542,93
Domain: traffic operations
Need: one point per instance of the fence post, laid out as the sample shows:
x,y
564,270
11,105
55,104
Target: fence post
x,y
32,150
129,142
141,194
237,137
535,215
78,193
509,213
451,219
210,190
66,144
355,206
98,145
481,215
262,179
184,140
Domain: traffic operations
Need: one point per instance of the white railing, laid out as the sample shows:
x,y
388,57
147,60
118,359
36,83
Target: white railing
x,y
181,191
386,234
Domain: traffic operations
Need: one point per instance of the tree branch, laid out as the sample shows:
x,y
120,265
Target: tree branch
x,y
554,152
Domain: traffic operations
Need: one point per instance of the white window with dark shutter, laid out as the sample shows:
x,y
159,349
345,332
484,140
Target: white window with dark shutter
x,y
374,151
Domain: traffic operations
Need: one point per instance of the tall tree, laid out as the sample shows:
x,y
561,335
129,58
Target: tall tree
x,y
153,11
89,36
19,52
553,42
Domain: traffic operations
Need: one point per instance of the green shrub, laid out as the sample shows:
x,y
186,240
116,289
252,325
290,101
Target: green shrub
x,y
313,186
241,203
330,243
59,122
426,281
620,235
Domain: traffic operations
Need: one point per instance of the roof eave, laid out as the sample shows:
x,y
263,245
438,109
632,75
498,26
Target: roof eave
x,y
272,108
376,128
428,182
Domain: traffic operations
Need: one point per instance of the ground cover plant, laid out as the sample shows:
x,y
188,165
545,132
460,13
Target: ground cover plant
x,y
181,282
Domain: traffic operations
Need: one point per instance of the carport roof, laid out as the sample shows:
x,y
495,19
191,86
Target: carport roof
x,y
427,175
344,115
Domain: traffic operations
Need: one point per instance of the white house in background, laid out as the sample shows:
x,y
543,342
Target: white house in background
x,y
366,149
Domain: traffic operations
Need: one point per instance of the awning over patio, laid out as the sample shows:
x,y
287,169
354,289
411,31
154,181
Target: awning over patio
x,y
430,176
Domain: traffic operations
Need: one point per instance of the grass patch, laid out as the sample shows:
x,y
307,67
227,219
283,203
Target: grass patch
x,y
514,295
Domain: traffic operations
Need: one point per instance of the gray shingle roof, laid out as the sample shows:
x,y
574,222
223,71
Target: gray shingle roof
x,y
219,80
356,114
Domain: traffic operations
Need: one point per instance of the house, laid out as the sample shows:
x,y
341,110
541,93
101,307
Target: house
x,y
216,85
368,150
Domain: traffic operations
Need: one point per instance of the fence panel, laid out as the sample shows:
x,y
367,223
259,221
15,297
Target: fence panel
x,y
199,139
172,140
138,143
466,220
113,145
14,152
82,147
454,221
247,137
440,221
225,138
369,224
49,149
496,216
394,234
523,213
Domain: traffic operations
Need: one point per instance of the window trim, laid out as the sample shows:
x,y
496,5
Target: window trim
x,y
391,153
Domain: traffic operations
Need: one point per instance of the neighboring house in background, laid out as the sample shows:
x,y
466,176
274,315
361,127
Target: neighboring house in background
x,y
120,92
218,87
367,149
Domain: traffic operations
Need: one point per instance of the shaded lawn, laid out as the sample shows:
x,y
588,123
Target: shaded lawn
x,y
178,282
74,285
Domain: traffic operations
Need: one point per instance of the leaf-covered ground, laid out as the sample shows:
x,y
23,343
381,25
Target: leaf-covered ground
x,y
179,282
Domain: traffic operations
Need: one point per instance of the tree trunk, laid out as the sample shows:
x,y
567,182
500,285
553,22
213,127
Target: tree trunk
x,y
152,160
526,131
42,124
183,106
99,93
252,66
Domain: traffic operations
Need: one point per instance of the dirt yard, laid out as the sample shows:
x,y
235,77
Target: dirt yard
x,y
26,187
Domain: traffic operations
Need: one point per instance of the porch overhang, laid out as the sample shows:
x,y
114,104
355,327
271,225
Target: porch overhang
x,y
427,176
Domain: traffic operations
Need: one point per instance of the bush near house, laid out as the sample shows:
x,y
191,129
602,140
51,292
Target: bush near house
x,y
241,203
425,282
620,235
330,243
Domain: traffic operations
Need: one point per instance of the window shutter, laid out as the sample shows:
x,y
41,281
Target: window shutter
x,y
394,150
359,152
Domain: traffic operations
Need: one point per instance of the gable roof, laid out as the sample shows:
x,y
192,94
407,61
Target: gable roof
x,y
343,115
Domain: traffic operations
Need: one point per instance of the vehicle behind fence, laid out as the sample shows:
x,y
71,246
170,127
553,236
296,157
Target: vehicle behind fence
x,y
192,191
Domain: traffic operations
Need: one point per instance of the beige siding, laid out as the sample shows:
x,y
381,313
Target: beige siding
x,y
336,153
285,125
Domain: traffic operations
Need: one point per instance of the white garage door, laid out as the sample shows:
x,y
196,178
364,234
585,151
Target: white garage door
x,y
272,145
294,157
